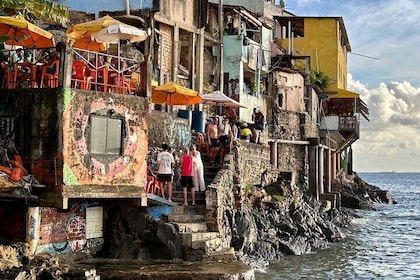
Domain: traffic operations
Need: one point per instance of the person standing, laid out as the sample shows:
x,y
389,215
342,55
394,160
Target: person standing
x,y
187,174
259,122
165,162
225,139
212,137
198,178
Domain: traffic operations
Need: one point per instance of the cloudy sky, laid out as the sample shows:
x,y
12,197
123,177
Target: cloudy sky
x,y
384,67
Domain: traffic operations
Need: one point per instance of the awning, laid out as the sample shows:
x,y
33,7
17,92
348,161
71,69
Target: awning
x,y
361,106
342,93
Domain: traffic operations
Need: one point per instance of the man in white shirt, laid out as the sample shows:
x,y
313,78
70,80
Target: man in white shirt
x,y
165,162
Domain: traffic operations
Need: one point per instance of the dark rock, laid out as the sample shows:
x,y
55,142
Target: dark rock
x,y
164,242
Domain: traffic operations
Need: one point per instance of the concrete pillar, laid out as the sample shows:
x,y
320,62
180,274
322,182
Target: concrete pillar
x,y
273,154
350,161
33,220
328,172
321,170
333,165
338,162
175,53
313,171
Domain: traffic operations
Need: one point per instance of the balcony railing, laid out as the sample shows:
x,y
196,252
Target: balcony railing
x,y
340,123
90,71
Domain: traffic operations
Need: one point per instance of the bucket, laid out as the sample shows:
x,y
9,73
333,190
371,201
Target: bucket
x,y
197,121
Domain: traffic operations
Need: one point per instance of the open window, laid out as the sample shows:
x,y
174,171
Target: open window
x,y
106,135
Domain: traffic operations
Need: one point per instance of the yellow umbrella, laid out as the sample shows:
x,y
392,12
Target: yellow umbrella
x,y
174,94
19,31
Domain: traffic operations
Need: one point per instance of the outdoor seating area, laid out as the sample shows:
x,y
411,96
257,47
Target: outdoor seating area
x,y
30,59
104,72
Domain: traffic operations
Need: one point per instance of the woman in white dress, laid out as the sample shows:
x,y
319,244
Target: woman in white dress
x,y
198,179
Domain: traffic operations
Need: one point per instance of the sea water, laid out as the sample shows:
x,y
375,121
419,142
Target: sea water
x,y
382,244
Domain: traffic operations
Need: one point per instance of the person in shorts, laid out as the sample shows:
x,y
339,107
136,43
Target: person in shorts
x,y
187,167
165,162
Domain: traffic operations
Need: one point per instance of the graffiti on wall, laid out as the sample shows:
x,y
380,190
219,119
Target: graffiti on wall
x,y
67,231
83,167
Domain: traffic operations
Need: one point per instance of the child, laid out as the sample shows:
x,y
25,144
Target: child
x,y
187,166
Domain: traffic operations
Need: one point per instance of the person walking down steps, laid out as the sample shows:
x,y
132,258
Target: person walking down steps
x,y
187,173
198,178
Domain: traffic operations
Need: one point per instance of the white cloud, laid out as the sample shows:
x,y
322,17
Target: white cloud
x,y
391,140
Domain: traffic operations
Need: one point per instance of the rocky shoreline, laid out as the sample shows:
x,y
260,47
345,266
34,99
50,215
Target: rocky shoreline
x,y
274,221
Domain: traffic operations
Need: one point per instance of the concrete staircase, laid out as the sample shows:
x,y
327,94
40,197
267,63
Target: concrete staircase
x,y
198,243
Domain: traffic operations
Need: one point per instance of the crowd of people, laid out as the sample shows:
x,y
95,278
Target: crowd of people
x,y
220,134
222,131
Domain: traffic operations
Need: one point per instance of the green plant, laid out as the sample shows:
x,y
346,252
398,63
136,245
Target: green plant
x,y
247,189
320,79
279,198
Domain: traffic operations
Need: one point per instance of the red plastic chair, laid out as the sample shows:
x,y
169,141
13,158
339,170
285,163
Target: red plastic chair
x,y
80,79
152,185
50,80
202,143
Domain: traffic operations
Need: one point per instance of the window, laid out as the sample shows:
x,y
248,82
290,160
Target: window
x,y
106,135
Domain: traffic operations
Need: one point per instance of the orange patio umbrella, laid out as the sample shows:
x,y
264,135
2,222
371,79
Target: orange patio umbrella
x,y
174,94
19,31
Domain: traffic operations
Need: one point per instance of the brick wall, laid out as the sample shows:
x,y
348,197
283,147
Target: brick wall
x,y
167,45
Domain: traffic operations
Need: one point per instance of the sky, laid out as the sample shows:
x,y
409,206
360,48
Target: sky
x,y
384,68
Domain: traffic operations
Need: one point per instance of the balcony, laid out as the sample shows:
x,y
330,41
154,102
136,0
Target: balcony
x,y
90,71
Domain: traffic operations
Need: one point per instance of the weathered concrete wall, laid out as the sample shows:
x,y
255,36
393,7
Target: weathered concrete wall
x,y
292,156
181,11
81,166
28,118
164,128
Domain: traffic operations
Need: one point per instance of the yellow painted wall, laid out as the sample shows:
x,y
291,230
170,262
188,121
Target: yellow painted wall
x,y
321,42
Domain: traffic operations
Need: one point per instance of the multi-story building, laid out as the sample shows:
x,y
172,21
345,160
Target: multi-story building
x,y
324,42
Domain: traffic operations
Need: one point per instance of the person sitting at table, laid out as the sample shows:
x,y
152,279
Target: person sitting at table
x,y
44,58
17,57
49,65
23,72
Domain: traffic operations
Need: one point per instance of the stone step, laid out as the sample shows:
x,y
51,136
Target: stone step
x,y
186,218
200,198
191,227
226,254
190,209
197,240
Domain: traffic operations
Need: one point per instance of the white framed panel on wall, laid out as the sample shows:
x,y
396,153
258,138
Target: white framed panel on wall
x,y
94,222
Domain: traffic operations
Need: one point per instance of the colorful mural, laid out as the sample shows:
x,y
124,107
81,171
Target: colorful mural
x,y
84,168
